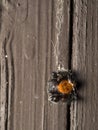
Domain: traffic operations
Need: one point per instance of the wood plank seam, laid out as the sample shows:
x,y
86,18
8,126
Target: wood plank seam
x,y
70,55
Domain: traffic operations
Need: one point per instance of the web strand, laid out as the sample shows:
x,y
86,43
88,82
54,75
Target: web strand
x,y
59,22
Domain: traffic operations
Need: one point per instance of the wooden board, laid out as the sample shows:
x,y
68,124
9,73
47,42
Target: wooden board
x,y
34,37
84,112
28,38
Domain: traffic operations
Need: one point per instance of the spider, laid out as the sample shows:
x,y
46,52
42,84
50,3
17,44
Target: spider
x,y
61,87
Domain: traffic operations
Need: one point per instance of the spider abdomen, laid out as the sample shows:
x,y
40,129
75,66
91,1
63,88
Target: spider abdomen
x,y
65,87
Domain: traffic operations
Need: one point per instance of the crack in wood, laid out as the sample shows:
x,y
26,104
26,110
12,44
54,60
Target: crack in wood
x,y
70,56
70,34
7,83
9,77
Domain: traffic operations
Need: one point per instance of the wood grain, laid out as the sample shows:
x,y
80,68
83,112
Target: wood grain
x,y
84,114
27,36
30,31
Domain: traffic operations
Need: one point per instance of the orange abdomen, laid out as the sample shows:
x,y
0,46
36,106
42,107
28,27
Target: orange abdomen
x,y
65,87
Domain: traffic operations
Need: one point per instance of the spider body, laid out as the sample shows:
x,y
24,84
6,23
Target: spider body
x,y
61,86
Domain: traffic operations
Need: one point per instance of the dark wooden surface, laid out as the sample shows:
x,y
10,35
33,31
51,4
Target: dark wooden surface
x,y
28,38
84,113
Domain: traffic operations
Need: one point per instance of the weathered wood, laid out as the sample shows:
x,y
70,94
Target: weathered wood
x,y
34,37
84,112
27,36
